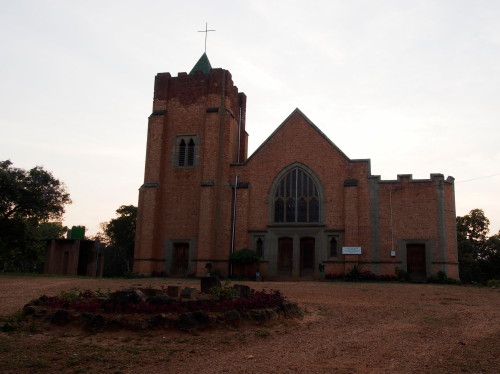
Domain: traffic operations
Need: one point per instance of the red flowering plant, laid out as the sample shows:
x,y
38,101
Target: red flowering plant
x,y
84,301
96,301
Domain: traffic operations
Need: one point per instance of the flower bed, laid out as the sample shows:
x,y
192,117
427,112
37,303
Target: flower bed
x,y
133,309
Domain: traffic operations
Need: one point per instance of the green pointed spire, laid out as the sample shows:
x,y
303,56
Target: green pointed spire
x,y
202,65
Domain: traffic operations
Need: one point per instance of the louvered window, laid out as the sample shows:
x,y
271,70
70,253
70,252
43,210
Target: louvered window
x,y
190,154
186,151
182,153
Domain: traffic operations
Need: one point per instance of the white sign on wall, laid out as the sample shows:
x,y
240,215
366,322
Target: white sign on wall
x,y
351,250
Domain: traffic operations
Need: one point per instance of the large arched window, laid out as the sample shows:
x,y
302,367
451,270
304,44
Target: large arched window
x,y
296,198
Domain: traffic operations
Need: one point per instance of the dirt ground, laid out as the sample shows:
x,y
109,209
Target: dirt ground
x,y
346,328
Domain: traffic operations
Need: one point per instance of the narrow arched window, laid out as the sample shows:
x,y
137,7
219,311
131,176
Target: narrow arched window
x,y
296,198
182,153
334,245
190,153
259,247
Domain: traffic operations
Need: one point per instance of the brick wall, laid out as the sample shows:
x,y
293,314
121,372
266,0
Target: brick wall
x,y
195,204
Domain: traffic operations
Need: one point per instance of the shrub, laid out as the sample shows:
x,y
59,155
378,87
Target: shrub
x,y
441,277
244,256
225,292
85,301
494,283
356,275
12,323
402,275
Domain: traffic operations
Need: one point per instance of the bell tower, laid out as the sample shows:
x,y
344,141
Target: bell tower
x,y
196,131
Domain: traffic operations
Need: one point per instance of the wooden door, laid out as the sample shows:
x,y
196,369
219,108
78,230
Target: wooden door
x,y
180,263
416,262
285,256
83,260
307,256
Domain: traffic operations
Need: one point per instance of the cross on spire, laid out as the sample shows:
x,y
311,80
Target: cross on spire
x,y
206,31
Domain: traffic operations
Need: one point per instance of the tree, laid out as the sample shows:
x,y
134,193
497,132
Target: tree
x,y
28,200
30,194
119,235
478,255
52,230
473,227
490,260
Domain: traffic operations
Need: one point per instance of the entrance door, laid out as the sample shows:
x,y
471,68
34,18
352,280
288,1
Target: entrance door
x,y
285,256
307,256
180,259
83,260
415,262
65,263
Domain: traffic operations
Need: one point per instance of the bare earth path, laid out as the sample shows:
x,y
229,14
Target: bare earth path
x,y
346,328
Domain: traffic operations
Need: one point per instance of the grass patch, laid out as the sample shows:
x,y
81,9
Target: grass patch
x,y
325,311
262,334
435,321
5,345
132,350
37,364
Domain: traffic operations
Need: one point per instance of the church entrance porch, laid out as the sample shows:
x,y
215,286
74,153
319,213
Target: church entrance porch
x,y
293,253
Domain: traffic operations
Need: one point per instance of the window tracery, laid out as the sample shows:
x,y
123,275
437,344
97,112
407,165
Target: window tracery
x,y
296,198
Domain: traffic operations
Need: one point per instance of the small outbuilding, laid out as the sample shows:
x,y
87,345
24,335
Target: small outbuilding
x,y
74,257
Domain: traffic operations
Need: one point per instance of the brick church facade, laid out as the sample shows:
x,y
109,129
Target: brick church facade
x,y
298,200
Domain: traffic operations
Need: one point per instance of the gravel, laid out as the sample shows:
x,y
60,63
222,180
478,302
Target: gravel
x,y
345,328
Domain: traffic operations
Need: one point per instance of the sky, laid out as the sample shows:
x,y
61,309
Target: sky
x,y
414,86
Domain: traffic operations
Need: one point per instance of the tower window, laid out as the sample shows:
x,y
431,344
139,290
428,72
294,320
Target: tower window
x,y
182,153
190,158
186,151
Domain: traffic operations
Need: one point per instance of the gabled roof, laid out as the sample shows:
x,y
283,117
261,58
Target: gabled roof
x,y
299,112
202,65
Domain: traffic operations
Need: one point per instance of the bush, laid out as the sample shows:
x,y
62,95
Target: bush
x,y
356,274
402,275
225,292
469,270
244,256
494,283
441,277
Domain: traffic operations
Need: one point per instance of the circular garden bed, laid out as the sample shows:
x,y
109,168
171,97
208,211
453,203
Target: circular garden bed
x,y
148,308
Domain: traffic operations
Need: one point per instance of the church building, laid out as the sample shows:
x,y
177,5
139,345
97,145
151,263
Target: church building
x,y
298,200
